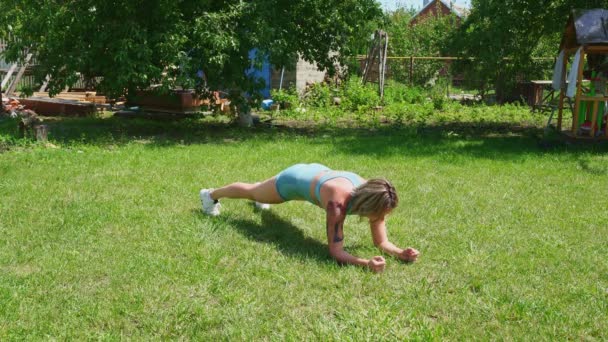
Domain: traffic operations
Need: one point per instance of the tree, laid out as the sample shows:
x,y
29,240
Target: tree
x,y
503,37
131,44
429,37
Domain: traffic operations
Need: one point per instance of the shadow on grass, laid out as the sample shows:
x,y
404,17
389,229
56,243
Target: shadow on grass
x,y
488,140
593,169
492,141
289,239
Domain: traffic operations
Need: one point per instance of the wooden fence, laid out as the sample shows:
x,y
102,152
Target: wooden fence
x,y
28,79
409,64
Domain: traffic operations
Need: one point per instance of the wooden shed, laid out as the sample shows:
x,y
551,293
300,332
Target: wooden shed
x,y
585,39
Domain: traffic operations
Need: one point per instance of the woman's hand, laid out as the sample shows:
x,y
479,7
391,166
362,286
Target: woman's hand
x,y
409,254
376,264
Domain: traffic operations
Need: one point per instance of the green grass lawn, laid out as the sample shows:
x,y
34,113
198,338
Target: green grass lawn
x,y
102,237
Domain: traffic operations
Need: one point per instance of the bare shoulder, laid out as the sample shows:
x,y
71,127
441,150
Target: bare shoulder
x,y
339,185
337,195
335,210
335,206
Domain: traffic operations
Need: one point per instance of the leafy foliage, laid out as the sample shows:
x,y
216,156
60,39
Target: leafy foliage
x,y
284,96
360,105
358,96
429,37
318,95
395,92
131,44
504,36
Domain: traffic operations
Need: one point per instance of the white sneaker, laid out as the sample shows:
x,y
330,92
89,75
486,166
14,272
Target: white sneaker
x,y
210,206
262,206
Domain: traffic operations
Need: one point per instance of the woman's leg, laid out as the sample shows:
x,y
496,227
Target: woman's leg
x,y
263,192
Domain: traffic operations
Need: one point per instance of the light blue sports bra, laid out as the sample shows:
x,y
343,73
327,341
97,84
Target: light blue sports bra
x,y
329,175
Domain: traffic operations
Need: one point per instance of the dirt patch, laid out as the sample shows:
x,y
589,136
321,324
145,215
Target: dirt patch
x,y
4,147
22,270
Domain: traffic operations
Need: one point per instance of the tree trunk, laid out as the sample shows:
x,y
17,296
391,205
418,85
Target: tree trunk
x,y
245,118
42,132
242,109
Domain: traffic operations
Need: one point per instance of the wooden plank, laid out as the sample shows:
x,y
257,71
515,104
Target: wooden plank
x,y
369,61
541,82
595,98
89,96
13,85
606,128
572,51
72,93
579,85
582,137
560,112
8,75
596,48
45,83
562,92
594,118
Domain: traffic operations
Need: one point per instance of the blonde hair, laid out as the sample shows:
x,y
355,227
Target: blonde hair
x,y
375,196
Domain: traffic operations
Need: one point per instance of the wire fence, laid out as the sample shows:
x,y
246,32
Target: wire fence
x,y
459,78
453,73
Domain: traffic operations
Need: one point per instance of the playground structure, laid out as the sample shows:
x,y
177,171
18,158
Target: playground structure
x,y
586,40
375,61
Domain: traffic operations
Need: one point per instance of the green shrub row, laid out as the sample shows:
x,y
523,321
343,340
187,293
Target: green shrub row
x,y
352,95
401,104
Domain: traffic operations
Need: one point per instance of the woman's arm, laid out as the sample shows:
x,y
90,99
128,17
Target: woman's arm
x,y
378,228
336,214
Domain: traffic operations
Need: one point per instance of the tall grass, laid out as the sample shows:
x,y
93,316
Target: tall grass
x,y
101,236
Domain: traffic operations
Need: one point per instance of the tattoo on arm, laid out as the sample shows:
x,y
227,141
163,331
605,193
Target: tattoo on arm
x,y
338,233
337,212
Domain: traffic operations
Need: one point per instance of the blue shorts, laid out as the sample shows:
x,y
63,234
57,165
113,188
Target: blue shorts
x,y
294,182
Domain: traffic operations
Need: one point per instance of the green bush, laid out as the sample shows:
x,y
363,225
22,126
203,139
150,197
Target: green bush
x,y
284,96
318,95
395,92
403,104
357,96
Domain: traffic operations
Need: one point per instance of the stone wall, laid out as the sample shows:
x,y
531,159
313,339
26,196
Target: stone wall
x,y
304,72
307,72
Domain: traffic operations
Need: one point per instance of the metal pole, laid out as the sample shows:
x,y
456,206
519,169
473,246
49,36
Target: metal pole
x,y
411,70
380,59
281,82
384,65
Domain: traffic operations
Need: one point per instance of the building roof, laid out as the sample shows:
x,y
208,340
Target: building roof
x,y
460,12
586,27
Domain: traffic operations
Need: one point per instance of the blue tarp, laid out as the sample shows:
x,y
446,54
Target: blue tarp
x,y
260,73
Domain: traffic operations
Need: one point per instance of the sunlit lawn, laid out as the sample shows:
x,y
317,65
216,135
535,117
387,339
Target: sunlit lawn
x,y
101,236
